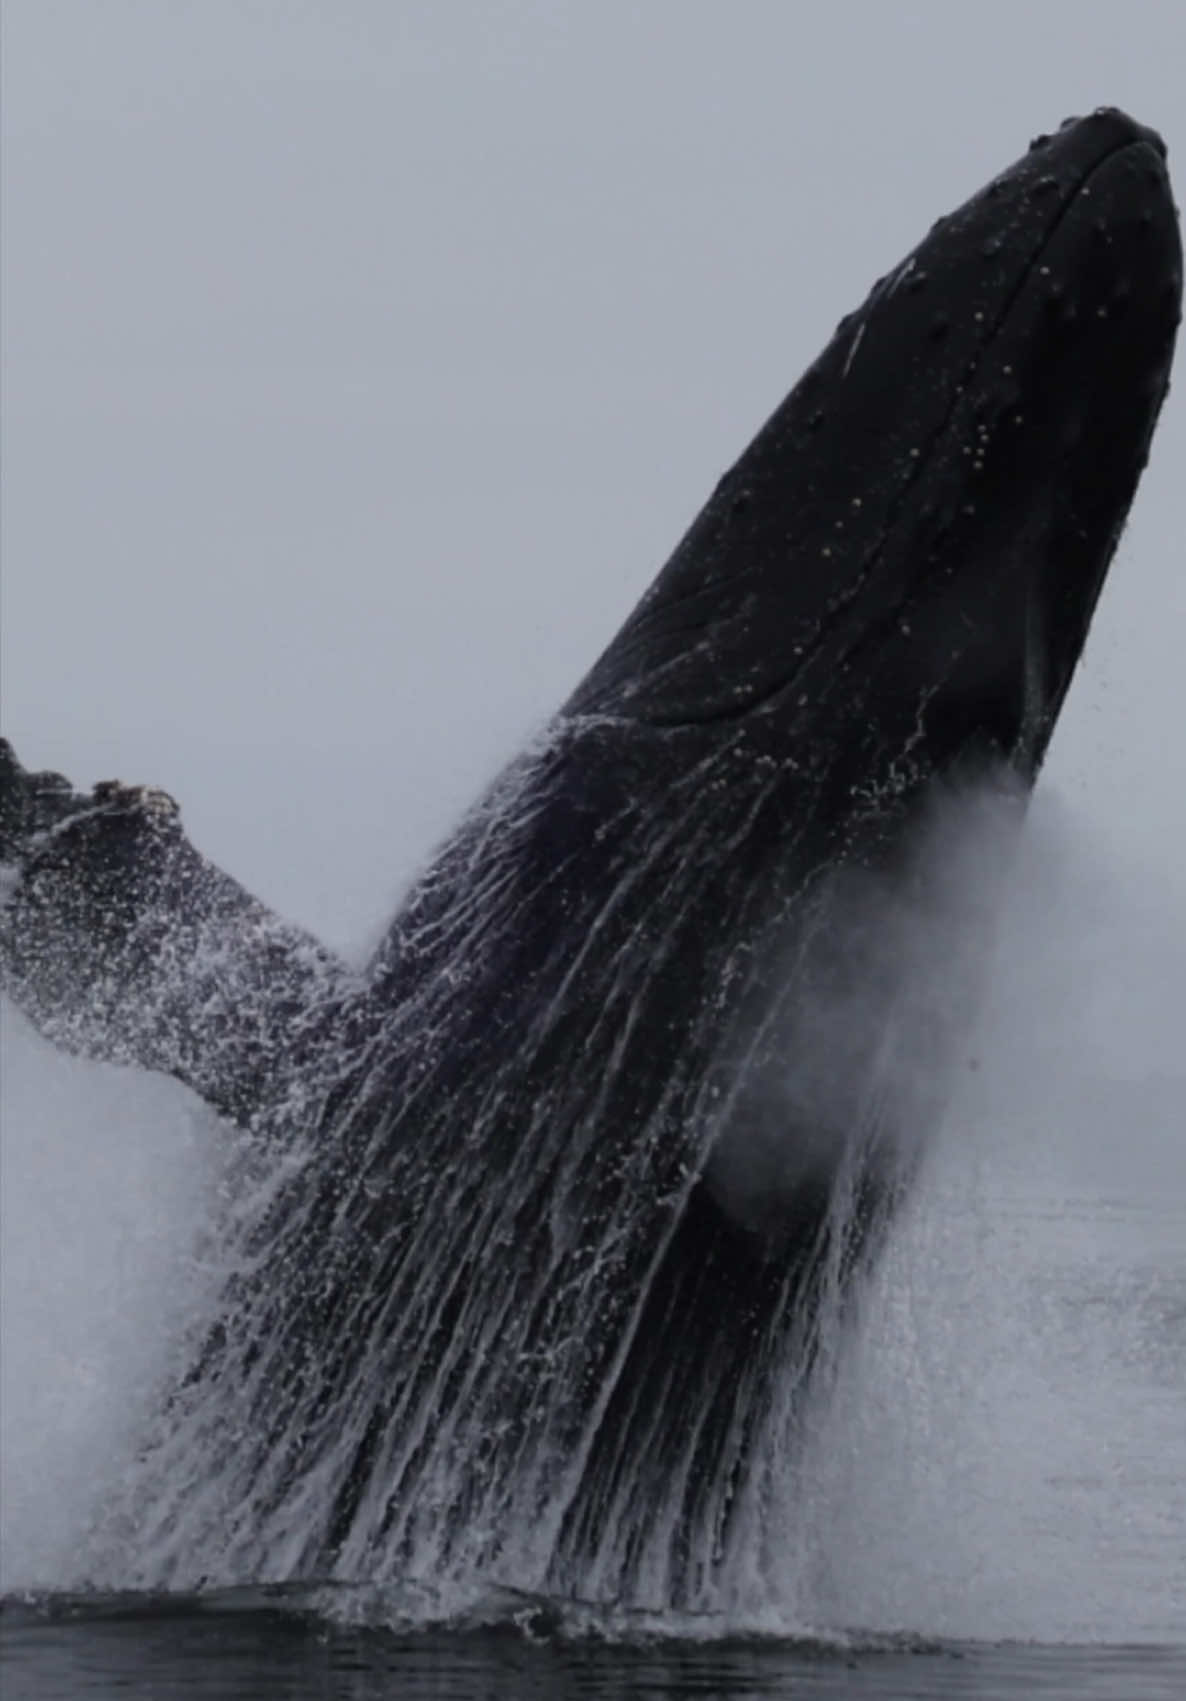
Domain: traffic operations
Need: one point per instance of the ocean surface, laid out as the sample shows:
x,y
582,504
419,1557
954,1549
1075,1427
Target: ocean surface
x,y
991,1499
220,1653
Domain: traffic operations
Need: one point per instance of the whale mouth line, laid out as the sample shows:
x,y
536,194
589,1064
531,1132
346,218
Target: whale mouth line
x,y
769,700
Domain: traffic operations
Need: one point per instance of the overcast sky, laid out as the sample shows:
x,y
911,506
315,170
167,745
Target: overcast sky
x,y
365,358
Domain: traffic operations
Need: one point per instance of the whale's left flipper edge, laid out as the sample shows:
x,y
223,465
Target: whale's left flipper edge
x,y
122,943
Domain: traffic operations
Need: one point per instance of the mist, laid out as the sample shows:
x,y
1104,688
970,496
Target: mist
x,y
984,1464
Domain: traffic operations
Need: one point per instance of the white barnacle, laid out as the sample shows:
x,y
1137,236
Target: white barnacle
x,y
852,351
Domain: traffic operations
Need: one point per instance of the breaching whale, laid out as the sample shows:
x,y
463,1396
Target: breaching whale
x,y
537,1211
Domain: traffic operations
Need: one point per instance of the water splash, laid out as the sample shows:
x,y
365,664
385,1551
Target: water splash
x,y
929,1494
1004,1454
105,1182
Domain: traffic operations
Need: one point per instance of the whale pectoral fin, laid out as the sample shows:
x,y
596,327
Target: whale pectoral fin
x,y
123,943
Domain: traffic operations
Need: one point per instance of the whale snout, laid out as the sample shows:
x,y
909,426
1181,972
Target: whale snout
x,y
954,470
1107,128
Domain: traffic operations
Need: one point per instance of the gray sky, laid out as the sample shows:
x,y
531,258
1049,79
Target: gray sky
x,y
363,362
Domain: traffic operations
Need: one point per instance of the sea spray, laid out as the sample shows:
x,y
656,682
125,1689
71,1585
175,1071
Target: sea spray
x,y
861,1052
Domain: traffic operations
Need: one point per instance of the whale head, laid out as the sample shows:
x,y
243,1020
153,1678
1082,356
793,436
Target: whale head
x,y
915,542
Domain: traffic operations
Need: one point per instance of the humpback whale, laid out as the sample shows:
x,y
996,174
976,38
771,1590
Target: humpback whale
x,y
537,1213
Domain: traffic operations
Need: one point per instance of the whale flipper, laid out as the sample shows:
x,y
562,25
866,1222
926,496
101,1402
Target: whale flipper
x,y
123,943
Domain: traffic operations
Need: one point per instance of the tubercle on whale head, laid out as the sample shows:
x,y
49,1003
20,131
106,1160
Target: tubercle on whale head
x,y
924,525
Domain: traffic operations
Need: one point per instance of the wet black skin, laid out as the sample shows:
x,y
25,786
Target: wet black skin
x,y
889,590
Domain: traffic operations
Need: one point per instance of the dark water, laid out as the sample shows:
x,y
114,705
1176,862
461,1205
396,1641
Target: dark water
x,y
249,1645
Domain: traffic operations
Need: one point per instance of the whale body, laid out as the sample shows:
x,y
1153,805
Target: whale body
x,y
541,1211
